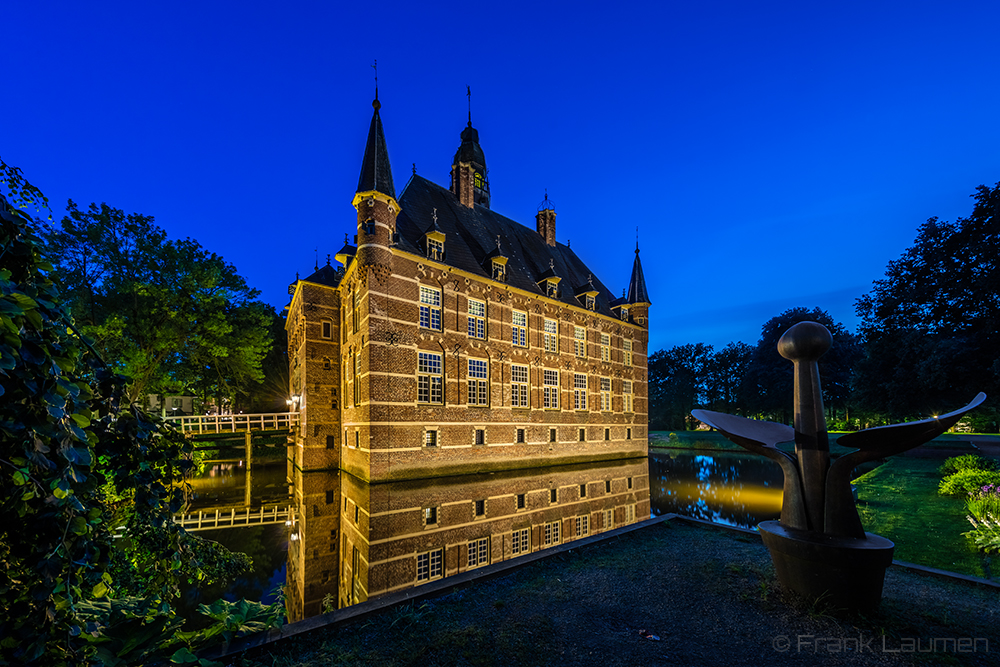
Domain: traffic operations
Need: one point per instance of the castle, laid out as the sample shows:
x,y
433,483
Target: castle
x,y
455,340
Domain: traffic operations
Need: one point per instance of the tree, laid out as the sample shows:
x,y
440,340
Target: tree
x,y
930,326
768,386
725,373
74,453
677,384
169,315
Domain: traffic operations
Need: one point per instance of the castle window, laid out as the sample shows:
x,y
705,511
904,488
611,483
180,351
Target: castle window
x,y
429,565
430,438
579,391
624,314
429,379
477,319
477,179
583,490
520,541
580,341
627,348
430,516
519,435
607,482
499,272
583,435
551,289
520,501
551,533
552,435
519,388
479,552
628,436
550,389
629,513
327,329
479,436
480,507
519,333
591,304
551,336
430,308
609,519
627,398
605,347
582,526
479,388
605,395
553,495
435,250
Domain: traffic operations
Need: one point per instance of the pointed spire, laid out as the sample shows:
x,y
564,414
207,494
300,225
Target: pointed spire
x,y
375,172
637,285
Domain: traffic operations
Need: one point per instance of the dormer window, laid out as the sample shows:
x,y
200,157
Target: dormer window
x,y
435,249
624,314
590,302
551,289
499,272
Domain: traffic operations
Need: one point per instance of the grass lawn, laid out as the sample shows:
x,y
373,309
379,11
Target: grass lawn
x,y
899,501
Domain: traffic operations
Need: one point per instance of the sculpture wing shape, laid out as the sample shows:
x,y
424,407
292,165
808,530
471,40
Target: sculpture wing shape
x,y
741,430
897,438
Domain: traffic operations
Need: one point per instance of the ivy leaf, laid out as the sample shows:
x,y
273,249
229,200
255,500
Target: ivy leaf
x,y
100,590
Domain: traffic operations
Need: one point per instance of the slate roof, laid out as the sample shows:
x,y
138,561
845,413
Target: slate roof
x,y
637,285
471,239
326,275
375,172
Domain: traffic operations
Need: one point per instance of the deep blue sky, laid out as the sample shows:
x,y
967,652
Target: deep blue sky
x,y
772,154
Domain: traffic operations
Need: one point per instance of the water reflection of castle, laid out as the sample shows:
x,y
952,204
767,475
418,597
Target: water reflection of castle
x,y
351,541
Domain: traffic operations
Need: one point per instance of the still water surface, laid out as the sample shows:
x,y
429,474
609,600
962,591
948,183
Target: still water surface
x,y
347,541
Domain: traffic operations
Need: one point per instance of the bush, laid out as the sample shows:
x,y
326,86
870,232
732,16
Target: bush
x,y
984,515
967,462
968,481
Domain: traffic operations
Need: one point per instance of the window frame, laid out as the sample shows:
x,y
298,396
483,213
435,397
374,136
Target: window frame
x,y
520,394
476,321
628,404
627,352
519,332
550,389
427,374
605,394
478,382
606,348
430,309
579,391
580,342
481,549
550,337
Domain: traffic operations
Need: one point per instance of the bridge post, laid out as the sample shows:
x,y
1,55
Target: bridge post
x,y
249,478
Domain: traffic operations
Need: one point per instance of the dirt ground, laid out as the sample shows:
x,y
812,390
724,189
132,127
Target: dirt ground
x,y
668,594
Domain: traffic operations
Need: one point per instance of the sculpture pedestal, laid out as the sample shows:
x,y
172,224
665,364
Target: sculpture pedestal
x,y
842,572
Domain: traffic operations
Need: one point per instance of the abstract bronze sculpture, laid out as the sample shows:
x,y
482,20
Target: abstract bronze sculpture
x,y
818,547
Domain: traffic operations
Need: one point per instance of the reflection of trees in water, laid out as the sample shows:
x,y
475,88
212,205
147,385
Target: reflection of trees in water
x,y
266,545
735,489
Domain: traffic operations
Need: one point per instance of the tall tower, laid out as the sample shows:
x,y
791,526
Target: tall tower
x,y
375,202
469,180
638,297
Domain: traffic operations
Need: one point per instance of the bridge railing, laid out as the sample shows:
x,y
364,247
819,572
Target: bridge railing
x,y
270,421
232,517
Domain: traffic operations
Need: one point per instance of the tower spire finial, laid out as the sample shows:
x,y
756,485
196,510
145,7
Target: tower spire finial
x,y
637,240
376,103
468,92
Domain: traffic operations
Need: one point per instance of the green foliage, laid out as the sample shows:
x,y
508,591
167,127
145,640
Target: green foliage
x,y
966,462
74,453
968,481
168,314
236,619
984,515
930,327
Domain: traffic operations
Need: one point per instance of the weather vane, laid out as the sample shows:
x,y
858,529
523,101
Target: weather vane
x,y
375,67
468,92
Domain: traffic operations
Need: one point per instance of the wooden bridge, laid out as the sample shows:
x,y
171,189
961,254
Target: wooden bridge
x,y
208,424
233,517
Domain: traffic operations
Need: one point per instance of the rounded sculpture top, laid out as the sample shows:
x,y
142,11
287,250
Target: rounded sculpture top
x,y
806,341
